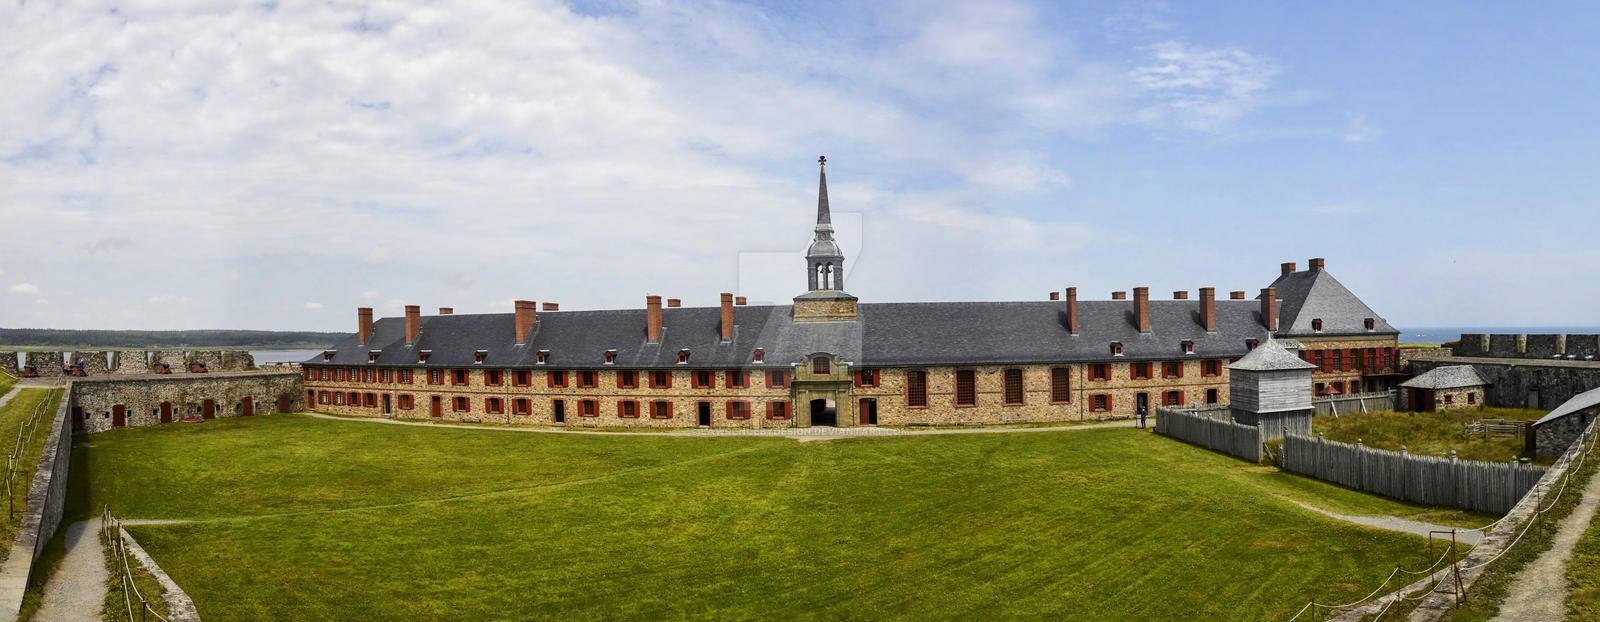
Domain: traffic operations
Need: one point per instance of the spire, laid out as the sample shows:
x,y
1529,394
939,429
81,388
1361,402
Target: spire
x,y
823,217
824,259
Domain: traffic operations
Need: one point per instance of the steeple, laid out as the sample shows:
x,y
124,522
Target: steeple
x,y
824,259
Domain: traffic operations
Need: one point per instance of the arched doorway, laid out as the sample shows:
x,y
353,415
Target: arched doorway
x,y
824,412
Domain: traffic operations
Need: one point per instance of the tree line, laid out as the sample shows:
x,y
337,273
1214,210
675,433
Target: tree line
x,y
166,338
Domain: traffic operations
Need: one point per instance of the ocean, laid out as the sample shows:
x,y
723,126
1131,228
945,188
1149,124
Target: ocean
x,y
1452,333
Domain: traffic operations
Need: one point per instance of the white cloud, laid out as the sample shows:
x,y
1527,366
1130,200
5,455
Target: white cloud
x,y
24,288
1200,88
314,306
1359,131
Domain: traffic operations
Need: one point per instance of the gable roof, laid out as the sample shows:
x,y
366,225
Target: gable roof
x,y
1586,399
1314,294
1270,356
1447,377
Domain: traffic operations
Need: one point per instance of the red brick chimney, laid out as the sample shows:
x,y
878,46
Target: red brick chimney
x,y
652,318
674,302
1269,308
1119,295
1316,263
1208,308
727,316
739,300
1072,310
413,323
527,314
1238,295
1288,268
1180,295
1141,308
1055,295
446,310
552,306
363,324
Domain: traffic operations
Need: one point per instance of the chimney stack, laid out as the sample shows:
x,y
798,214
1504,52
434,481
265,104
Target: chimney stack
x,y
652,316
364,324
552,306
1269,308
1288,268
413,323
1316,263
727,316
1119,295
674,302
1180,295
1238,295
1072,310
1141,308
1055,295
446,310
527,314
739,300
1208,308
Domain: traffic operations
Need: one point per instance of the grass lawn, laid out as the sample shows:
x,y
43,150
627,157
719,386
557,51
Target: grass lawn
x,y
1428,434
6,382
12,415
295,518
1583,576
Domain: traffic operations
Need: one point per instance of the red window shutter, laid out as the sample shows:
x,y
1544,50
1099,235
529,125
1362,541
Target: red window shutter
x,y
858,377
1108,401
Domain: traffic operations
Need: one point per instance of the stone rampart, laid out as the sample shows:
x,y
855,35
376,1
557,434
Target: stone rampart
x,y
8,363
46,363
176,360
150,400
47,496
237,360
130,362
1576,347
1471,344
1525,383
1543,346
1583,347
94,362
212,359
1505,346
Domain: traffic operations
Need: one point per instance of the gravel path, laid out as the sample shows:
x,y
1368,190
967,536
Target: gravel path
x,y
77,591
1539,591
803,434
1394,523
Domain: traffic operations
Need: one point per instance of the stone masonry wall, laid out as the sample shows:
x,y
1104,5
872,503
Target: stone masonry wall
x,y
1524,383
211,358
1543,346
94,400
8,363
129,362
1505,346
94,362
237,360
176,359
46,363
1582,347
1471,344
1354,381
1554,437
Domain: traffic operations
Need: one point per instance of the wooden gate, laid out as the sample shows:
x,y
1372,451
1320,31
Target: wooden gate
x,y
119,416
166,412
249,406
283,403
208,409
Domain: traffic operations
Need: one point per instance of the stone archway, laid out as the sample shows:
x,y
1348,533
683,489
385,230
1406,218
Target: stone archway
x,y
824,412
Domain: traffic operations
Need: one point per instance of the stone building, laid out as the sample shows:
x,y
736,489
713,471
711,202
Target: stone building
x,y
1444,388
829,359
1271,390
1554,432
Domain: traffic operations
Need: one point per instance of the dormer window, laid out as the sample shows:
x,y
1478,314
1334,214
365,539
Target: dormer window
x,y
1188,346
1250,344
541,356
819,366
422,357
372,355
610,356
1370,323
478,356
1316,324
758,356
683,356
327,355
1116,348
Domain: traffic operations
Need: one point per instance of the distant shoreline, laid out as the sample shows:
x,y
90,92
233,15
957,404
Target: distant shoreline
x,y
1442,334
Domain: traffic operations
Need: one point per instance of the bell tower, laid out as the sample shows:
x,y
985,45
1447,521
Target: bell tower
x,y
825,298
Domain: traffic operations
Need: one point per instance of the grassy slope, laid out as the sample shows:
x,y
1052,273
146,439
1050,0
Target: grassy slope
x,y
1430,434
6,382
1583,576
390,522
11,417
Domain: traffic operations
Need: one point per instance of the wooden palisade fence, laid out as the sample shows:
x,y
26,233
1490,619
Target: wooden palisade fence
x,y
1234,439
1353,403
1469,485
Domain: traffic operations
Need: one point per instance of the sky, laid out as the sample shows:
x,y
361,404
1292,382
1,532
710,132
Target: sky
x,y
169,165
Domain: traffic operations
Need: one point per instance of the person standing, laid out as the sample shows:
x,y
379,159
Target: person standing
x,y
1143,412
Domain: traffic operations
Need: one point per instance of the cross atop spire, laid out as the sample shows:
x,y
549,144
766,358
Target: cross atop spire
x,y
823,217
823,258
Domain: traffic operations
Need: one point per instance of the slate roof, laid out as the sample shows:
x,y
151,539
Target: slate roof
x,y
1270,356
1448,377
1586,399
1314,294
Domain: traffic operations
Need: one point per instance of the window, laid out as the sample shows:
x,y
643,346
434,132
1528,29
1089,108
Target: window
x,y
588,408
388,375
492,377
1337,361
683,356
627,379
1472,398
610,356
1099,403
555,378
1211,368
1013,387
522,406
1338,387
588,379
406,401
1372,359
1172,369
372,399
661,380
477,357
628,409
326,373
660,410
819,366
1316,324
372,375
355,398
1139,371
917,389
1172,398
521,378
338,398
1188,346
422,357
405,376
777,410
1250,344
435,376
494,405
966,388
1100,371
1317,359
1060,385
1447,397
777,379
703,379
867,378
540,356
322,398
738,410
460,404
1369,323
758,356
311,374
458,376
737,378
1116,348
1211,396
1317,389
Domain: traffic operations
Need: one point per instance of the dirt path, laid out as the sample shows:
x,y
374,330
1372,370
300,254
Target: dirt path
x,y
1395,523
77,591
802,434
1539,591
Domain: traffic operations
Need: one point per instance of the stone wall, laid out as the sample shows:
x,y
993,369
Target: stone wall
x,y
46,363
1353,380
1471,344
144,399
1554,437
8,363
1583,347
47,496
94,362
130,362
237,360
1543,346
1505,346
176,359
1526,383
211,358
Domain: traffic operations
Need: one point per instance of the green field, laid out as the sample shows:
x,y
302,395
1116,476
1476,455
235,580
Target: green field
x,y
1428,433
13,415
294,518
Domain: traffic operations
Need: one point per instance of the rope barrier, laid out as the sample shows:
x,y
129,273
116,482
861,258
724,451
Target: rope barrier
x,y
111,527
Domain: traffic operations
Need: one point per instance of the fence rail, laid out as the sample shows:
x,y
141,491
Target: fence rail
x,y
1494,428
1234,439
1469,485
112,529
1353,403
